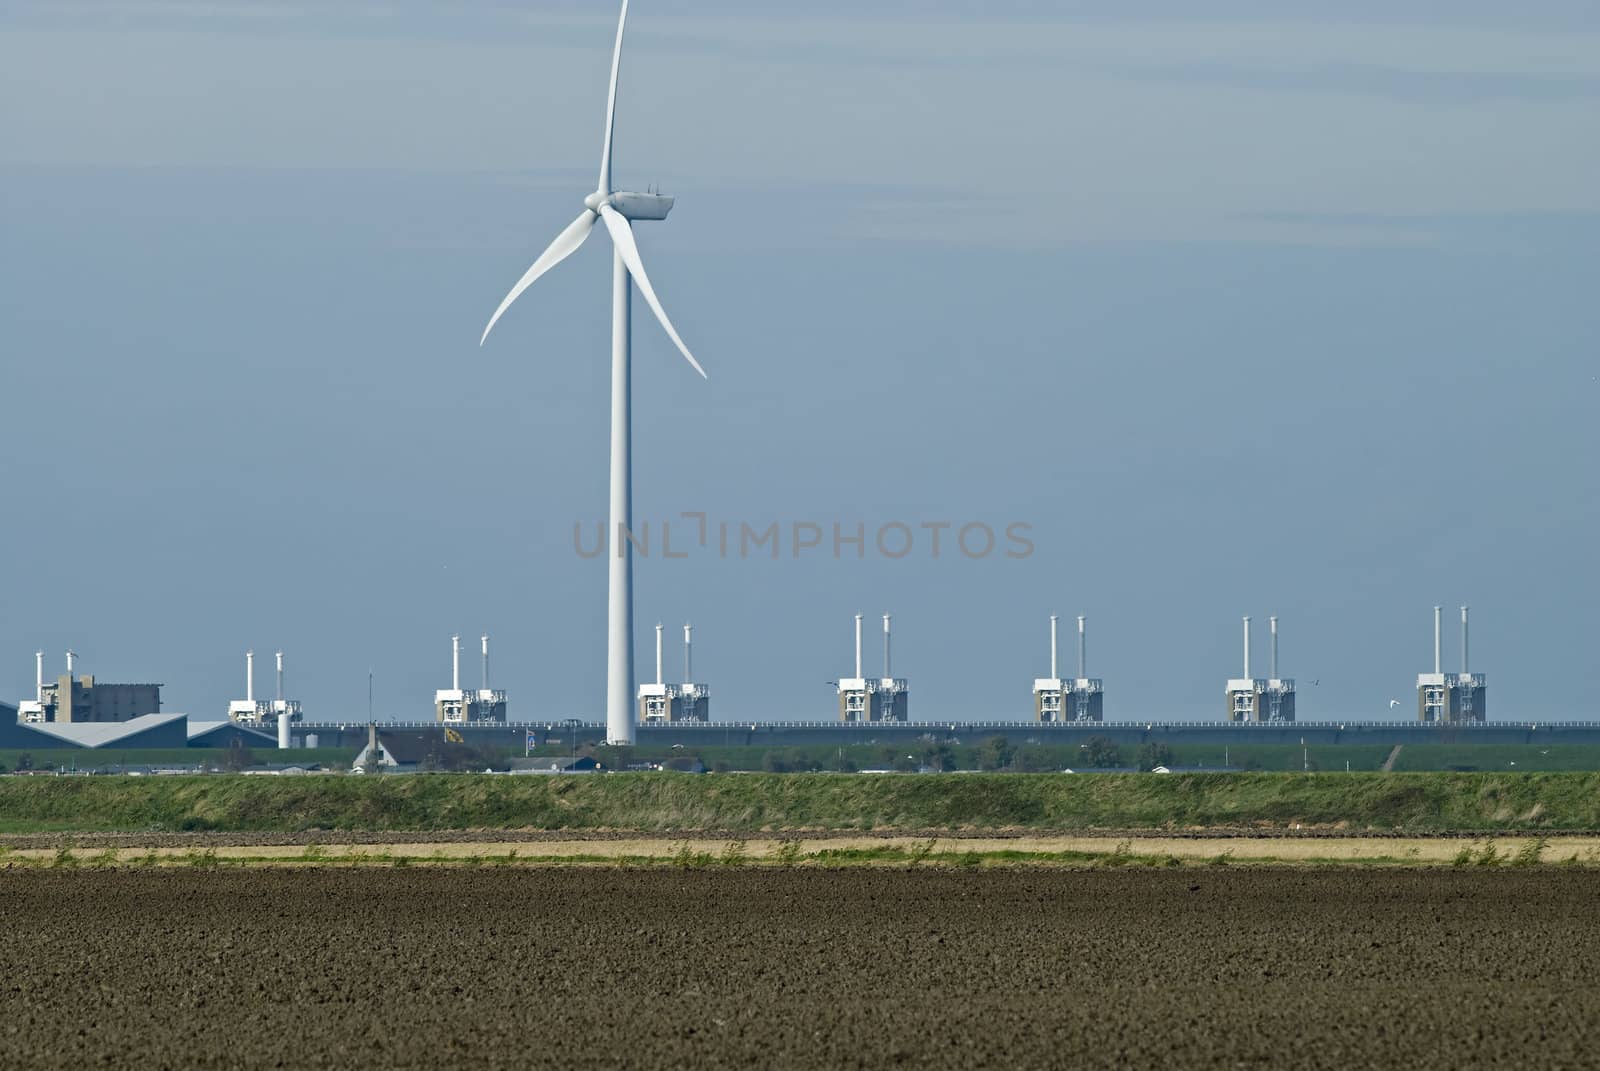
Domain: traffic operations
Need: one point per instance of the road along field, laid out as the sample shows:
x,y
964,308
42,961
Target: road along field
x,y
797,967
216,850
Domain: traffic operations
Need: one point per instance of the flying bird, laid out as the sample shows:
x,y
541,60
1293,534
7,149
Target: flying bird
x,y
1393,703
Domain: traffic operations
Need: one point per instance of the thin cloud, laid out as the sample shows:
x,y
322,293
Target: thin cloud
x,y
1460,86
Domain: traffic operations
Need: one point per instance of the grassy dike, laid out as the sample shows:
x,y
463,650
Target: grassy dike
x,y
754,803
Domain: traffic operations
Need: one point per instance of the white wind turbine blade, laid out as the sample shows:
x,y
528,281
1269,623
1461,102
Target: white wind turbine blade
x,y
611,104
622,236
566,243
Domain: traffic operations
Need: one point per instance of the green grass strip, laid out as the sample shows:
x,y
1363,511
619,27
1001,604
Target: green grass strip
x,y
752,803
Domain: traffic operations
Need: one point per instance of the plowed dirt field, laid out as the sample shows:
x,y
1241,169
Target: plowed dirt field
x,y
777,967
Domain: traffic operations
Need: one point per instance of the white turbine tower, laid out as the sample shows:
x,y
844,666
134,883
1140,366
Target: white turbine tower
x,y
614,209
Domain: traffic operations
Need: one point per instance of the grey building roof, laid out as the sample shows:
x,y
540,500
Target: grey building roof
x,y
406,749
386,760
224,733
147,730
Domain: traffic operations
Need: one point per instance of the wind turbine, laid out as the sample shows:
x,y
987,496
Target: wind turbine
x,y
615,209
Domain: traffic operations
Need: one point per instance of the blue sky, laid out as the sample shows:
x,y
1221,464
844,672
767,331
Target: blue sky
x,y
1259,312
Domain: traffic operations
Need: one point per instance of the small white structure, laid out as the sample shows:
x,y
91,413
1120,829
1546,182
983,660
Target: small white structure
x,y
491,702
1451,697
247,710
694,698
261,713
1244,693
1280,693
1047,691
885,698
32,712
661,703
456,706
657,701
450,703
1261,699
1076,699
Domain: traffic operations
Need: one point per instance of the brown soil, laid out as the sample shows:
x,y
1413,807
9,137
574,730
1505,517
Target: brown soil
x,y
773,967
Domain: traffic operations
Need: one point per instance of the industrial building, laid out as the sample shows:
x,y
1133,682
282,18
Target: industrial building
x,y
661,703
261,713
72,699
885,698
176,730
1255,699
1077,699
1451,698
145,731
454,706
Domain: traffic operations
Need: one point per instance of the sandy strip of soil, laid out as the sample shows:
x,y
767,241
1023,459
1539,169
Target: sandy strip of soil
x,y
1422,850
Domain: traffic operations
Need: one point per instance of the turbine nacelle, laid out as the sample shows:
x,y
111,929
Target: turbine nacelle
x,y
631,206
615,210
